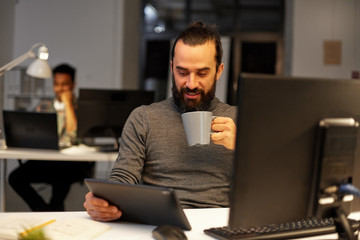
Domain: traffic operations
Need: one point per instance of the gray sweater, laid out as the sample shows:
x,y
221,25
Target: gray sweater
x,y
154,151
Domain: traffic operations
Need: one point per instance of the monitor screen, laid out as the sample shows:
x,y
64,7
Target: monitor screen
x,y
103,112
275,176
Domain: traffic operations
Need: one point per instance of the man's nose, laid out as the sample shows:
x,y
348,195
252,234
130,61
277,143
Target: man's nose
x,y
192,82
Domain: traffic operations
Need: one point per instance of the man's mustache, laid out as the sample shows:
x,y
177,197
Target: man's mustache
x,y
188,90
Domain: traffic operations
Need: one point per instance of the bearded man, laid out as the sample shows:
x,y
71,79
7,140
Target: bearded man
x,y
153,147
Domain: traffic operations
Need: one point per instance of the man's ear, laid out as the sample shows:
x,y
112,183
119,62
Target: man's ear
x,y
171,66
219,71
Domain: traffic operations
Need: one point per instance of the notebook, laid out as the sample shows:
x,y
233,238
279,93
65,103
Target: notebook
x,y
30,129
141,203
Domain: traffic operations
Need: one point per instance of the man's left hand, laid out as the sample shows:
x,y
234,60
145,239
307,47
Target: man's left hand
x,y
224,132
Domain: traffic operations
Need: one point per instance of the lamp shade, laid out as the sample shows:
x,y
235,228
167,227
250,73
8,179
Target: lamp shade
x,y
39,69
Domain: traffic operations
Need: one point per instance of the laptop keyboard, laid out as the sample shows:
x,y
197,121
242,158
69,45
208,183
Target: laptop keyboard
x,y
294,229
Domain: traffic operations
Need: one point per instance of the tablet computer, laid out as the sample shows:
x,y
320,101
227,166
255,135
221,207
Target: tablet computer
x,y
141,203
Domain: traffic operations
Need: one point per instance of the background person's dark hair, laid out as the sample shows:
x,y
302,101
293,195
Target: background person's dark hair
x,y
65,68
199,33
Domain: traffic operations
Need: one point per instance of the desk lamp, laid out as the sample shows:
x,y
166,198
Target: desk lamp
x,y
39,68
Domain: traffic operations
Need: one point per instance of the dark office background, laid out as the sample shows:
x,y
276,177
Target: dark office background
x,y
255,28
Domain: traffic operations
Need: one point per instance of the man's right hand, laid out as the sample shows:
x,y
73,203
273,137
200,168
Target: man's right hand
x,y
99,209
66,97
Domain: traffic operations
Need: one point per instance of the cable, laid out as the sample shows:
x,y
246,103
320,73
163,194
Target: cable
x,y
343,226
349,189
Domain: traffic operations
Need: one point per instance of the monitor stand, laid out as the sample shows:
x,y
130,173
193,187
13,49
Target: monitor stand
x,y
334,166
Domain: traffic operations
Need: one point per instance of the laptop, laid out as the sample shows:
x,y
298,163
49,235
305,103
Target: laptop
x,y
142,203
31,129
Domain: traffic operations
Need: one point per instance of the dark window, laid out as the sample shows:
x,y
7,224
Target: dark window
x,y
157,59
258,57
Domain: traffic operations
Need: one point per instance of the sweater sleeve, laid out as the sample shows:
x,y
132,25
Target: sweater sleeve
x,y
132,150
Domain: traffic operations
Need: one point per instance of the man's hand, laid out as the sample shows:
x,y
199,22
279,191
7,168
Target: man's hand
x,y
66,97
224,132
71,121
99,209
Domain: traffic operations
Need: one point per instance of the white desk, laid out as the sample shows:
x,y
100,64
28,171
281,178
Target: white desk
x,y
75,153
199,219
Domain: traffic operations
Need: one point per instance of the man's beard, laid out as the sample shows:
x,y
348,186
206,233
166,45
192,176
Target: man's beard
x,y
190,105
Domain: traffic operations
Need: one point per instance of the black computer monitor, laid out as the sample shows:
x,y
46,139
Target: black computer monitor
x,y
277,171
103,112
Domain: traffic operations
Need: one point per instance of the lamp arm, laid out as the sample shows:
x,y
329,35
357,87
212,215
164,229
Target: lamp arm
x,y
17,61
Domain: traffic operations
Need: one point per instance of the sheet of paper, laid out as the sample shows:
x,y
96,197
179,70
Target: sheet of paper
x,y
80,149
70,228
332,52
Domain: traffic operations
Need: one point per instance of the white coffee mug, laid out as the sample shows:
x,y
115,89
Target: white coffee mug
x,y
197,126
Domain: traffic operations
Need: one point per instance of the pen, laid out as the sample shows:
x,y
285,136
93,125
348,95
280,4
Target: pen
x,y
24,233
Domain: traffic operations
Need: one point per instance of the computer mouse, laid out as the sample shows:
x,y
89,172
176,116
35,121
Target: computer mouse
x,y
168,232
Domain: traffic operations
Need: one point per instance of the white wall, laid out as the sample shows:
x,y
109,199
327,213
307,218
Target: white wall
x,y
85,33
315,21
7,12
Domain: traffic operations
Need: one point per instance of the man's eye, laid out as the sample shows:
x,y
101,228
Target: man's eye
x,y
202,74
182,73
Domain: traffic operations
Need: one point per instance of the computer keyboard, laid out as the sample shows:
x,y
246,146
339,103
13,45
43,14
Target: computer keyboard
x,y
293,229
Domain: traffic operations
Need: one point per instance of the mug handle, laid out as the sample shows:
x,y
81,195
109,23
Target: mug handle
x,y
211,131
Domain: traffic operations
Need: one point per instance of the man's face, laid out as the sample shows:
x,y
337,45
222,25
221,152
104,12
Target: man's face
x,y
62,83
194,75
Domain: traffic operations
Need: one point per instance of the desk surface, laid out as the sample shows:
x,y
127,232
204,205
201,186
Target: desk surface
x,y
199,219
74,153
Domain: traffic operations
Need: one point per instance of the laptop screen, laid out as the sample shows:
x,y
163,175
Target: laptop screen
x,y
30,129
